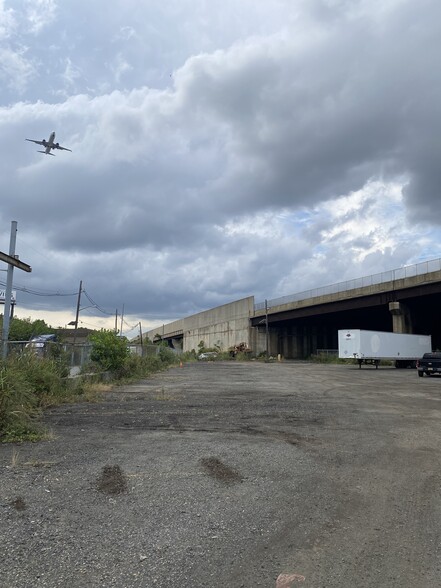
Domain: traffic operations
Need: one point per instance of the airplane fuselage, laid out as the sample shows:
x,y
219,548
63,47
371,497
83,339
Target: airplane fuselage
x,y
50,142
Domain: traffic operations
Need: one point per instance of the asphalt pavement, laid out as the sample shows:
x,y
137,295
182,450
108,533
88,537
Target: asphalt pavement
x,y
232,475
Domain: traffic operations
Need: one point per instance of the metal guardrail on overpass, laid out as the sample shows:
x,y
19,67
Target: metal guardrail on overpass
x,y
409,271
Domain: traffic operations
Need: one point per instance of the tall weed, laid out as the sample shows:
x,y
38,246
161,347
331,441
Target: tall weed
x,y
28,383
18,404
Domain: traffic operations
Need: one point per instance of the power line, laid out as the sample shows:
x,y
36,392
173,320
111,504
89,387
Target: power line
x,y
38,292
95,305
136,326
42,293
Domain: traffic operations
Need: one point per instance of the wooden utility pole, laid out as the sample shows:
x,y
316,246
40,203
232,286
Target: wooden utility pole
x,y
122,320
78,311
266,331
140,333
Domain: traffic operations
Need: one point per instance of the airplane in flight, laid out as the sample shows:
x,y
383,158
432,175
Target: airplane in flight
x,y
50,144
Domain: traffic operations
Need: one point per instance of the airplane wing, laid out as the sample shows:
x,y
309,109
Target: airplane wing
x,y
34,141
56,146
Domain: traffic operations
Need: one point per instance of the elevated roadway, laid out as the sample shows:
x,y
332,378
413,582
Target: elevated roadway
x,y
405,300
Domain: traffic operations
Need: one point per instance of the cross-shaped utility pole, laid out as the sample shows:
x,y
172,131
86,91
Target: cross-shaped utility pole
x,y
12,262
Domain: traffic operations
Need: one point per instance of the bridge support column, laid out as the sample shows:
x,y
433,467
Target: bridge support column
x,y
295,343
284,346
401,319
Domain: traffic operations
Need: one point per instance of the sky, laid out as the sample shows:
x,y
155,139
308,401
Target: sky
x,y
220,149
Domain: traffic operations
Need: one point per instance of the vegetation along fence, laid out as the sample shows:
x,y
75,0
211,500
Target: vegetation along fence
x,y
76,354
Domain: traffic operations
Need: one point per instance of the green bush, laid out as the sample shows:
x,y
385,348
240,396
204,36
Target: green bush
x,y
167,356
108,350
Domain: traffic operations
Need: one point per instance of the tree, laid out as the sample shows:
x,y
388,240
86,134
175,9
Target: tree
x,y
24,329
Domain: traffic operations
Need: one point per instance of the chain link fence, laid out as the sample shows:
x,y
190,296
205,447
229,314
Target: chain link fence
x,y
77,355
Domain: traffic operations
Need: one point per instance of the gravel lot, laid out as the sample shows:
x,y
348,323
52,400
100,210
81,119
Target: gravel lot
x,y
232,475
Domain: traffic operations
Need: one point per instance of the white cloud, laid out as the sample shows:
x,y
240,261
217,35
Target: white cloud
x,y
126,33
120,67
362,233
71,73
40,14
15,70
7,21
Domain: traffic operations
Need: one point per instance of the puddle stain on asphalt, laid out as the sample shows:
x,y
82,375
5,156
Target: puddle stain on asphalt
x,y
287,580
215,468
287,436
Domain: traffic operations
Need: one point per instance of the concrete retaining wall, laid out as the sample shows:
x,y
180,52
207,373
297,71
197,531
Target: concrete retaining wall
x,y
225,325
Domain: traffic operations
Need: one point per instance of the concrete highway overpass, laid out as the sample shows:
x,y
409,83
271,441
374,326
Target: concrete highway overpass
x,y
404,300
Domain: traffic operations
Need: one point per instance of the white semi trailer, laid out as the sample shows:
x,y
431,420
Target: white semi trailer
x,y
373,346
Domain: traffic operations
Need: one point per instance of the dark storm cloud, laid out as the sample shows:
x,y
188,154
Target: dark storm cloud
x,y
314,122
165,190
285,124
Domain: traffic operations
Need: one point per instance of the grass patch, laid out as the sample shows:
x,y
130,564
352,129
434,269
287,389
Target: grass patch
x,y
334,359
17,434
329,358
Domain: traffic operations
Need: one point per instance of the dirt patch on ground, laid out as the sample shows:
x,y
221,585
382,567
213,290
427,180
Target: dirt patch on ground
x,y
112,480
18,503
215,468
